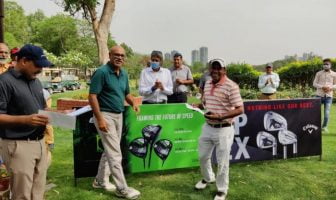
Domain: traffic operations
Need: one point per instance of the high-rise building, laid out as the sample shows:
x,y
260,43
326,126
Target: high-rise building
x,y
167,56
204,55
195,56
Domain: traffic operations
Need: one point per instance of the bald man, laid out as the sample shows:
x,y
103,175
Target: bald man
x,y
109,89
4,56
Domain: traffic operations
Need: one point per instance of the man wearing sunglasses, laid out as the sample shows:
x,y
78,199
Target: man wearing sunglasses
x,y
22,129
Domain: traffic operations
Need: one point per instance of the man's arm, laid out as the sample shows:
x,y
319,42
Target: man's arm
x,y
232,113
15,120
316,81
93,101
130,100
261,82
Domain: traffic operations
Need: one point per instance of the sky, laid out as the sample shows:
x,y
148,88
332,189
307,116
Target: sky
x,y
250,31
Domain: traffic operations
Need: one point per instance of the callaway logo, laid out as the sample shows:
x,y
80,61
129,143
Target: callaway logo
x,y
310,128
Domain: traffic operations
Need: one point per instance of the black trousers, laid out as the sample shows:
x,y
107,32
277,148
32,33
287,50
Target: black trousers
x,y
178,98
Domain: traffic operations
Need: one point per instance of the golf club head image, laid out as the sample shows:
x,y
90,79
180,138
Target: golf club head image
x,y
274,121
265,140
162,148
287,137
151,132
138,147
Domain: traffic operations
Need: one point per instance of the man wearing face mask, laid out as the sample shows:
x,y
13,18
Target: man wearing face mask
x,y
223,102
325,83
155,81
4,56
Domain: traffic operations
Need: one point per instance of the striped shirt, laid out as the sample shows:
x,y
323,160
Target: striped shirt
x,y
221,98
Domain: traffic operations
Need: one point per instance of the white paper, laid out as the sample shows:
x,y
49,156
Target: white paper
x,y
80,111
195,109
60,119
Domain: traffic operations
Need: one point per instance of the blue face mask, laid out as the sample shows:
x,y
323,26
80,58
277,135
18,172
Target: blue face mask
x,y
155,65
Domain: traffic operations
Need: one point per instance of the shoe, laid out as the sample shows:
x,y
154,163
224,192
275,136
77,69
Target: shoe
x,y
202,184
128,193
107,186
325,130
220,196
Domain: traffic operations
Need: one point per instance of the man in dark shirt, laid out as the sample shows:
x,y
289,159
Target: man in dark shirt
x,y
22,144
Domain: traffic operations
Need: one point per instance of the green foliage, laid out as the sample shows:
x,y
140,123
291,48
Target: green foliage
x,y
134,65
197,67
16,22
74,59
197,76
56,34
11,40
243,74
300,74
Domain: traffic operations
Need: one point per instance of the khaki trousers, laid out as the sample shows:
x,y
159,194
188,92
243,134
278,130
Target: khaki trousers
x,y
269,97
26,160
110,162
222,139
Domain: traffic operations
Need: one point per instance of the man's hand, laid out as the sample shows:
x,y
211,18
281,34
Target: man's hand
x,y
213,116
326,89
178,81
37,120
102,125
136,108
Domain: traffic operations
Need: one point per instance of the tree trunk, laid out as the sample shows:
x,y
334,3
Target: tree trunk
x,y
101,28
101,39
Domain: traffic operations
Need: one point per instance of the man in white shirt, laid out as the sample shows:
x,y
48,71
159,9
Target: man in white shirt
x,y
155,81
268,83
325,83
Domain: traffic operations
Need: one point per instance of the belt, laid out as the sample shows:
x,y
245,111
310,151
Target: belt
x,y
30,137
220,125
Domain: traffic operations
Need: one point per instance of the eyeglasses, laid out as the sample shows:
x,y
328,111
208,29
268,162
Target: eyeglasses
x,y
119,55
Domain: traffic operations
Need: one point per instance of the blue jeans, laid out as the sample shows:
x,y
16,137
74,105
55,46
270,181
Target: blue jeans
x,y
326,101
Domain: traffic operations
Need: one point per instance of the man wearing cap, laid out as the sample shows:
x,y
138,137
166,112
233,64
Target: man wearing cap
x,y
268,83
155,81
109,89
325,83
4,55
223,102
182,78
22,145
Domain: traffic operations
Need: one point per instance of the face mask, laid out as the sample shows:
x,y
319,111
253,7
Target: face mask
x,y
155,65
326,66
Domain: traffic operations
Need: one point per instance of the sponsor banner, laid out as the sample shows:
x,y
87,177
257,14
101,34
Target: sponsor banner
x,y
163,137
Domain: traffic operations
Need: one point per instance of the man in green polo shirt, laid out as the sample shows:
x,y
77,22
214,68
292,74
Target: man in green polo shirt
x,y
108,90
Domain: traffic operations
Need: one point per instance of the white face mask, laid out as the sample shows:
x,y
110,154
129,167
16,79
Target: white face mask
x,y
326,66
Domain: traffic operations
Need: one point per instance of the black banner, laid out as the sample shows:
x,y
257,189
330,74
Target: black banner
x,y
277,129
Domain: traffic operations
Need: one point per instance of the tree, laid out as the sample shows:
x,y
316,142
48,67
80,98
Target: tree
x,y
56,34
16,22
100,25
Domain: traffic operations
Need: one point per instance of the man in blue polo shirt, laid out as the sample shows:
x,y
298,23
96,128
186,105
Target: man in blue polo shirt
x,y
108,90
22,129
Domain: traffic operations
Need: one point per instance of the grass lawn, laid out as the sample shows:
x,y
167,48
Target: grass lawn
x,y
301,178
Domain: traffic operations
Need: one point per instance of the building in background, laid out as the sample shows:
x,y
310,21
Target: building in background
x,y
173,53
195,56
167,56
204,55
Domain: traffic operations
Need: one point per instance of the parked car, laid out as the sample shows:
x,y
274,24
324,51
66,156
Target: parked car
x,y
53,87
